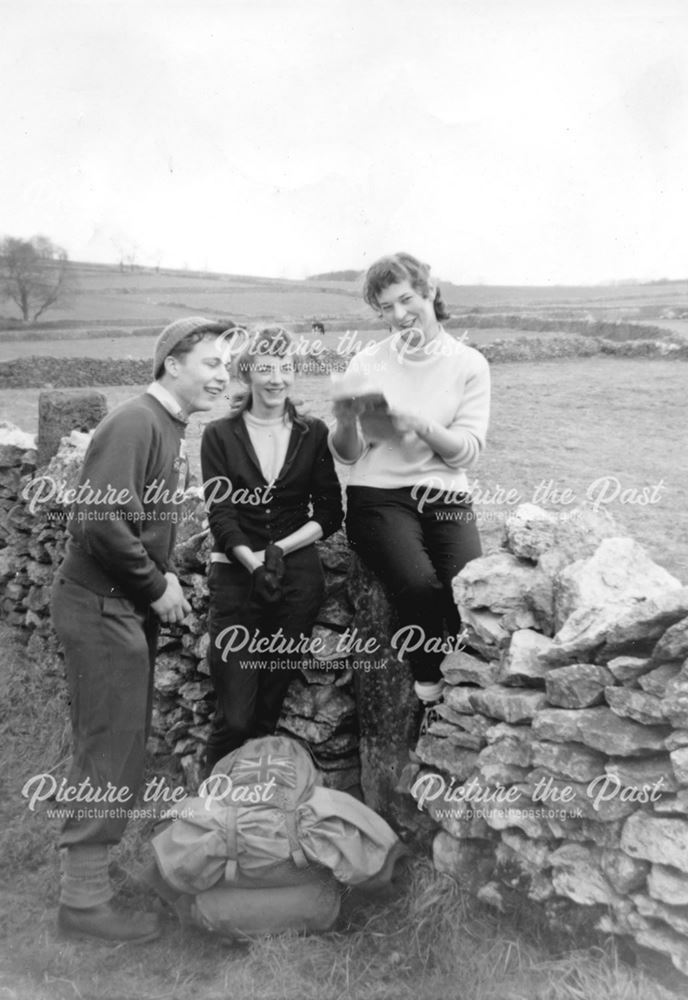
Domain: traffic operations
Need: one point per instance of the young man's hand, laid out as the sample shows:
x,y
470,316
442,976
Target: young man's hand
x,y
172,606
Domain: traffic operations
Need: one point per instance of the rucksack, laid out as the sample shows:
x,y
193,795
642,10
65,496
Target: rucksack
x,y
241,828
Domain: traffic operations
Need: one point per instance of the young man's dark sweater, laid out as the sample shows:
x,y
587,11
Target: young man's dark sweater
x,y
122,533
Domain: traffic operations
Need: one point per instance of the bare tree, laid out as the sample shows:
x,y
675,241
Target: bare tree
x,y
33,274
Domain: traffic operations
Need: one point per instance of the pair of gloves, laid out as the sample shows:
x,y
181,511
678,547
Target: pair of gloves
x,y
267,579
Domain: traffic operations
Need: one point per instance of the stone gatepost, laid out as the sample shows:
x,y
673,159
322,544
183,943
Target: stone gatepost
x,y
62,411
388,710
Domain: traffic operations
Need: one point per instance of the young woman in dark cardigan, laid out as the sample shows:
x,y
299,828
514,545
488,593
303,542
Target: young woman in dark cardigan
x,y
271,491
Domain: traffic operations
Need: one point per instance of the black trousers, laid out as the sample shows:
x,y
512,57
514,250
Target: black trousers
x,y
415,553
251,685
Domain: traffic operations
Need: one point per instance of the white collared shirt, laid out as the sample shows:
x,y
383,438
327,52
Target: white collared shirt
x,y
166,399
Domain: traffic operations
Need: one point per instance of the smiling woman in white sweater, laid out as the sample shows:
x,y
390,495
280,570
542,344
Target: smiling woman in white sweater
x,y
411,418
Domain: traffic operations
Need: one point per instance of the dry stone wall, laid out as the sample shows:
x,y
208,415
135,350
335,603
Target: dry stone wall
x,y
40,370
560,749
32,543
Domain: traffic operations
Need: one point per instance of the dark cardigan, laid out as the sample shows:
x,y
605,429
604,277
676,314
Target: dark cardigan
x,y
241,509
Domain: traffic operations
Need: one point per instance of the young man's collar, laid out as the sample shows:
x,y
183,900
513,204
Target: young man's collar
x,y
166,399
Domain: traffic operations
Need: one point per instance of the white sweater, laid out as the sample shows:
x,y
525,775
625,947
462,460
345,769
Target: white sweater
x,y
451,387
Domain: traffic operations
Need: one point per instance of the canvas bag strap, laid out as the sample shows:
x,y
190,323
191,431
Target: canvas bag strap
x,y
231,846
297,855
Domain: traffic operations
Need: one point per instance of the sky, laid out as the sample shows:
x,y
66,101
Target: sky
x,y
502,141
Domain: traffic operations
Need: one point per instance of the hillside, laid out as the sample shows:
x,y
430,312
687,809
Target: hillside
x,y
106,295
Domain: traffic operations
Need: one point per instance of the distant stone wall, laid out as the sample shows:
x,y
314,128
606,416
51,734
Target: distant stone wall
x,y
559,758
38,370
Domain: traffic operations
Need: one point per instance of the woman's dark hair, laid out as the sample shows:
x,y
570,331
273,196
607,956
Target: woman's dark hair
x,y
398,267
270,341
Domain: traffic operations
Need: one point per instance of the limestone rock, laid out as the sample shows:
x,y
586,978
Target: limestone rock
x,y
192,691
673,646
461,738
577,686
533,854
568,760
458,820
440,727
522,618
668,885
679,738
496,582
603,834
447,757
522,660
508,704
504,731
636,705
577,874
485,631
335,554
167,680
562,725
517,815
506,751
458,699
627,628
627,669
659,839
575,533
679,762
461,668
675,916
580,801
645,621
529,531
655,936
501,775
314,731
327,644
479,725
492,895
618,571
656,681
675,703
607,732
335,611
649,774
540,593
329,704
624,874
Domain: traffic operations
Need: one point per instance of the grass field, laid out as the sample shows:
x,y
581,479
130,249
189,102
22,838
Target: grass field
x,y
144,296
599,427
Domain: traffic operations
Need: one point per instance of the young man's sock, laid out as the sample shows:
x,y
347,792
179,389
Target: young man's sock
x,y
85,878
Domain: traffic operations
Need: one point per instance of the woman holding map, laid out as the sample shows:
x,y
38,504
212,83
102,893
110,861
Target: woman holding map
x,y
411,416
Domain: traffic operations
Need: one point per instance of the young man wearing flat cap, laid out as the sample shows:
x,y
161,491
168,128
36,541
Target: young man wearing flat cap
x,y
115,586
